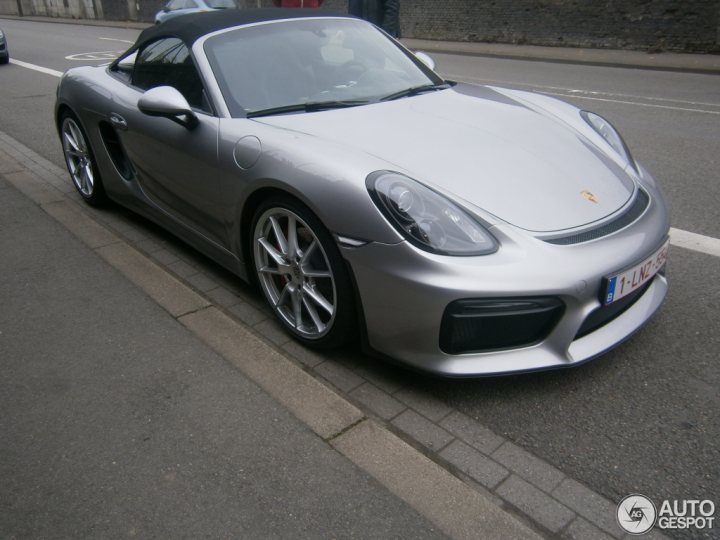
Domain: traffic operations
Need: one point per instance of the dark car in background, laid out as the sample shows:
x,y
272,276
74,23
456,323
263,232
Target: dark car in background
x,y
4,53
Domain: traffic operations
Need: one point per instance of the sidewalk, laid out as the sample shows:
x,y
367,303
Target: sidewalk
x,y
666,61
132,407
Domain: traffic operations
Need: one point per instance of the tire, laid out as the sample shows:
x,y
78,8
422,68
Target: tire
x,y
80,160
300,270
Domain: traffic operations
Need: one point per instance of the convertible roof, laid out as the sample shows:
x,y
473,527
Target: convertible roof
x,y
190,27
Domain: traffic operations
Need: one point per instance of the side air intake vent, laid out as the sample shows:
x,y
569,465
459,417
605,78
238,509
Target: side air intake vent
x,y
116,151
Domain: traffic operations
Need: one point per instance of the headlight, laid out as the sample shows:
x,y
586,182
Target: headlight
x,y
610,134
427,219
1,34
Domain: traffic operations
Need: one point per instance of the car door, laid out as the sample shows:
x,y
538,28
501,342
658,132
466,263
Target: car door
x,y
175,166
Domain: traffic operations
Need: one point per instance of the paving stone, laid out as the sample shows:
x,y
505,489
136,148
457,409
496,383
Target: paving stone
x,y
222,277
472,432
164,257
653,534
271,330
535,503
422,430
381,376
149,246
475,464
339,375
593,507
303,354
580,529
223,297
113,221
135,235
182,269
379,402
423,403
201,282
346,361
528,467
247,313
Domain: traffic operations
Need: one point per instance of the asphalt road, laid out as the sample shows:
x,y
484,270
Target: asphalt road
x,y
644,418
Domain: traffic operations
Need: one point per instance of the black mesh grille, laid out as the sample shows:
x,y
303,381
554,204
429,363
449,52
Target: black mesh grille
x,y
491,324
635,211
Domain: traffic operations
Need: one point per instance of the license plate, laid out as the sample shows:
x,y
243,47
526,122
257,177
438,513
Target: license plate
x,y
628,281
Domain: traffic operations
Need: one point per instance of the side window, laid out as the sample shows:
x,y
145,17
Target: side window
x,y
167,62
190,4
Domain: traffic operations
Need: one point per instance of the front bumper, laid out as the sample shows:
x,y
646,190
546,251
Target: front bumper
x,y
405,291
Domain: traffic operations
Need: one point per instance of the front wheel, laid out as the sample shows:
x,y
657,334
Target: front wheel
x,y
302,274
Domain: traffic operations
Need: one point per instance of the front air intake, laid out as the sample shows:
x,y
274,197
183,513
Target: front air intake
x,y
481,325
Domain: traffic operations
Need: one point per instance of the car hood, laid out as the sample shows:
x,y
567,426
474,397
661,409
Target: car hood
x,y
485,149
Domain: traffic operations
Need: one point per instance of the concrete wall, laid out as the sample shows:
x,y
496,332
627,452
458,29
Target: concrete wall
x,y
654,25
9,7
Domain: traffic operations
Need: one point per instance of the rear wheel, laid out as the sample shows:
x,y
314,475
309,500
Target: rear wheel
x,y
80,160
302,274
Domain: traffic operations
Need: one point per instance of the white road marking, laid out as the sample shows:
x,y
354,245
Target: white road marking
x,y
120,40
41,69
632,96
651,105
627,99
94,56
678,237
696,242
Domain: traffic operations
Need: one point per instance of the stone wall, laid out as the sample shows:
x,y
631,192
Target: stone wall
x,y
653,25
674,25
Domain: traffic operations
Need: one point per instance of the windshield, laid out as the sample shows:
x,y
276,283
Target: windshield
x,y
313,61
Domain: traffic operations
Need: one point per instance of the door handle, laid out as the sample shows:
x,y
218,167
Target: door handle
x,y
118,121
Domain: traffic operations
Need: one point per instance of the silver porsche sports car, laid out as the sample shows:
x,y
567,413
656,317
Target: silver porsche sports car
x,y
462,230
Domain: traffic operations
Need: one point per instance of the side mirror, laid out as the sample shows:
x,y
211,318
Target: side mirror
x,y
425,59
167,102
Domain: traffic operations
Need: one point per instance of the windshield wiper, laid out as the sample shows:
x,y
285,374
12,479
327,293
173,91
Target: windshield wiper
x,y
415,90
311,106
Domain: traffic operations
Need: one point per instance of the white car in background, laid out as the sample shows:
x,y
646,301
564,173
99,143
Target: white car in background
x,y
175,8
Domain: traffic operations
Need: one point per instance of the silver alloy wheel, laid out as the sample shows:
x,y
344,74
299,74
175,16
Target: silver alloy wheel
x,y
294,272
78,157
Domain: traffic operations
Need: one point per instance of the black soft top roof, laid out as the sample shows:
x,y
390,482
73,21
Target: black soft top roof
x,y
190,27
